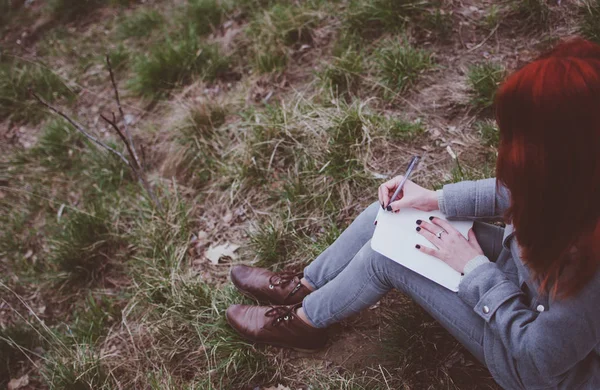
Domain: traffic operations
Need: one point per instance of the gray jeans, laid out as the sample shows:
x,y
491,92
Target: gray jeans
x,y
349,277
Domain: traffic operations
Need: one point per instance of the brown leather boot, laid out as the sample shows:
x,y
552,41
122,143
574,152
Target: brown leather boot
x,y
275,325
283,288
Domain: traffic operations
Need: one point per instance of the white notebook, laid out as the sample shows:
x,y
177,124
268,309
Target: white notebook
x,y
395,237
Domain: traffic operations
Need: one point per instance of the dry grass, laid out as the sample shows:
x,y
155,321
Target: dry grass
x,y
270,126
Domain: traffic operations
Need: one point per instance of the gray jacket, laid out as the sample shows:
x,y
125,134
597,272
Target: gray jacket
x,y
530,340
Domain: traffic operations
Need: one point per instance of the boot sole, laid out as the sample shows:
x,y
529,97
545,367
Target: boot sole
x,y
265,343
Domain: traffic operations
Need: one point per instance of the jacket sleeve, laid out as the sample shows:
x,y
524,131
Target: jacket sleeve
x,y
545,345
474,199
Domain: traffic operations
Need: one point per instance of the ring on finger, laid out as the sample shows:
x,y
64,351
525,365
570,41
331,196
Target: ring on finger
x,y
439,234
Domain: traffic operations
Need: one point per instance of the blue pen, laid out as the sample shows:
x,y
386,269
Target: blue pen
x,y
411,168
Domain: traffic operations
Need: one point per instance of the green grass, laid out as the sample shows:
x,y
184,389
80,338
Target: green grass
x,y
490,135
589,20
139,24
402,130
484,79
343,74
174,62
534,13
16,78
205,15
370,19
277,29
69,10
77,368
119,57
346,136
272,242
492,18
439,23
94,319
199,144
59,146
75,10
17,342
400,65
85,246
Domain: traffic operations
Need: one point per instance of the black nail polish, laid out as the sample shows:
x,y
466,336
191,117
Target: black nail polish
x,y
389,208
418,246
418,228
382,206
431,218
419,221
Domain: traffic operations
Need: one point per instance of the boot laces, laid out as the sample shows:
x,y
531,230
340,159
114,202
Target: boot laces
x,y
283,279
282,314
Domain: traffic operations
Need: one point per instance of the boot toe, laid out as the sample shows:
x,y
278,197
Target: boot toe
x,y
238,274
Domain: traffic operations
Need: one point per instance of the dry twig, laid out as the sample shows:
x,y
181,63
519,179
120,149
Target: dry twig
x,y
133,161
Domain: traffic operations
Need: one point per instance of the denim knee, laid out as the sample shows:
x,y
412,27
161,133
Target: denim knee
x,y
374,264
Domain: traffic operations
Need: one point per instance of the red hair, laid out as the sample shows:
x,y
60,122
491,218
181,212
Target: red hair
x,y
548,113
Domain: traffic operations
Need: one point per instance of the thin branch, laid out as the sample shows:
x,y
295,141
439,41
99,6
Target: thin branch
x,y
80,128
127,132
485,40
137,169
122,136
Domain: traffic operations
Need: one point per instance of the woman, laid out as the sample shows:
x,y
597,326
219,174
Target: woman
x,y
527,306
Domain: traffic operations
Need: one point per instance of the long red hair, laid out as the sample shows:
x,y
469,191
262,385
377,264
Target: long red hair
x,y
548,113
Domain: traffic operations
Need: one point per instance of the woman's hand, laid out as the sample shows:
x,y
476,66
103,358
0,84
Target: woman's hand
x,y
412,195
452,247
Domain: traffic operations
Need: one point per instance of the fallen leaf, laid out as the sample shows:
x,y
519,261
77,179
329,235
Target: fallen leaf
x,y
451,152
214,254
15,384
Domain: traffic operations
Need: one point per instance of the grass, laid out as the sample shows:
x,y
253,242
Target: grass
x,y
535,13
175,62
17,343
400,65
140,24
85,246
273,32
490,135
94,319
204,15
343,74
492,18
370,19
77,367
119,57
589,24
199,144
59,146
403,130
483,80
16,78
272,242
439,23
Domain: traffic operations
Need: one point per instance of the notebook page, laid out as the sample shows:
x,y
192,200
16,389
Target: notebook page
x,y
395,237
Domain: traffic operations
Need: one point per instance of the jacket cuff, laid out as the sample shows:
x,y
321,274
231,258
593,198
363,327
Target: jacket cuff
x,y
470,199
441,204
474,263
485,288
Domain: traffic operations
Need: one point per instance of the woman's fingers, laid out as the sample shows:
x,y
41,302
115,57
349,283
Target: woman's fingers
x,y
427,250
429,236
444,225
